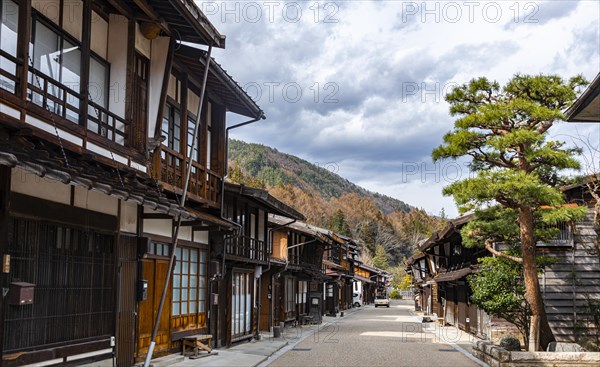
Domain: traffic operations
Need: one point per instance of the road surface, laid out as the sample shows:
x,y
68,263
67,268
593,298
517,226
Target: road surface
x,y
373,337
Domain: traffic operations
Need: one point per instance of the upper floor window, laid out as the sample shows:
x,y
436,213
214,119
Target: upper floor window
x,y
58,57
564,235
55,53
9,15
191,126
171,128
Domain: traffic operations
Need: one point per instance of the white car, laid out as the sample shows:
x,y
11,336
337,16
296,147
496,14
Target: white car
x,y
356,299
382,301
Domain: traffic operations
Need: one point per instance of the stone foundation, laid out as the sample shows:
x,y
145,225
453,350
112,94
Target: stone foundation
x,y
495,356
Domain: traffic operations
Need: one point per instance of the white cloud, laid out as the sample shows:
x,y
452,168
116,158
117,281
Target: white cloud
x,y
372,74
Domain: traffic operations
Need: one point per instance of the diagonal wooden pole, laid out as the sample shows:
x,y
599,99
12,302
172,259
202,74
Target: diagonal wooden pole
x,y
181,206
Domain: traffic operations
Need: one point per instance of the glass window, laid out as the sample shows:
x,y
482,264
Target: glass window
x,y
189,286
171,128
56,57
58,60
98,88
9,13
241,304
190,137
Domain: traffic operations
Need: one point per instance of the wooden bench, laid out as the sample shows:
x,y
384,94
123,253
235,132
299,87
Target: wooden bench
x,y
197,342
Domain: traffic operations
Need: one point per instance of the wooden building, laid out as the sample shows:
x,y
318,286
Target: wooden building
x,y
440,273
365,282
419,267
571,286
98,105
338,265
246,263
293,286
450,264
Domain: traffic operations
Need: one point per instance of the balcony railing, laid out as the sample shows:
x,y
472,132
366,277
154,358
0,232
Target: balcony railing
x,y
8,72
106,124
65,103
294,259
334,259
53,96
204,185
563,239
244,247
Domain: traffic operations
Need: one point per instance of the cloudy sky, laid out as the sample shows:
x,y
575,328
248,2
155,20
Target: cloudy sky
x,y
358,86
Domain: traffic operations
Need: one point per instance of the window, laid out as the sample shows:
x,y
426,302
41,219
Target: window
x,y
98,120
189,282
241,304
57,58
190,138
290,290
563,235
160,249
98,87
208,135
302,292
9,14
171,128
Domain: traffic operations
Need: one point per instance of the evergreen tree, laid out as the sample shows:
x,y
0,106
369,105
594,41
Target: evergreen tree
x,y
504,133
381,260
337,223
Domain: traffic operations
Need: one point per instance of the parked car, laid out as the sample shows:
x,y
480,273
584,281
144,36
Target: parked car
x,y
382,300
356,299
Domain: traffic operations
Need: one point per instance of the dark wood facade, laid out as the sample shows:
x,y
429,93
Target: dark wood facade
x,y
245,261
440,278
97,112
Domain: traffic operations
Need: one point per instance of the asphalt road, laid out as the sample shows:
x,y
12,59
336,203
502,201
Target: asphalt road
x,y
373,337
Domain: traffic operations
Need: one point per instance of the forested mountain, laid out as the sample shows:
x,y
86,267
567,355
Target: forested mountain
x,y
276,168
330,201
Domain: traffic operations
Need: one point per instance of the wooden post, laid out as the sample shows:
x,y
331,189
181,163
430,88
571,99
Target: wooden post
x,y
4,223
23,39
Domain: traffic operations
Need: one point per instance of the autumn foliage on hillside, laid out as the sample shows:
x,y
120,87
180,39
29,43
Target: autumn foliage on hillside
x,y
375,220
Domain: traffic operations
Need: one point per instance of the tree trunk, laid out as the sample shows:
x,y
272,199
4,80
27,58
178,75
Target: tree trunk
x,y
540,333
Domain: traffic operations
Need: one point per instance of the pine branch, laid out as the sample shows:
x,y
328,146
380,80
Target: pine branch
x,y
490,248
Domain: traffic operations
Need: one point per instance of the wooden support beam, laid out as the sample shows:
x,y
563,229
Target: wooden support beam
x,y
121,8
156,216
206,228
4,222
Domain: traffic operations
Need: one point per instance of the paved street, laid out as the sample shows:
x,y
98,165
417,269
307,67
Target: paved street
x,y
373,337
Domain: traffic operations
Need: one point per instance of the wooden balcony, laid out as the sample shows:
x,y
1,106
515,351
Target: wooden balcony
x,y
246,249
204,186
8,77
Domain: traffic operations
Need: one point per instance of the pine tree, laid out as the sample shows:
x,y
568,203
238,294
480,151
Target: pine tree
x,y
504,133
381,260
337,223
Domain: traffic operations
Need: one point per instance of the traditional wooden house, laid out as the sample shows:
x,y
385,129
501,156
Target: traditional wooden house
x,y
418,266
99,101
450,264
247,257
569,286
338,265
365,282
293,284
